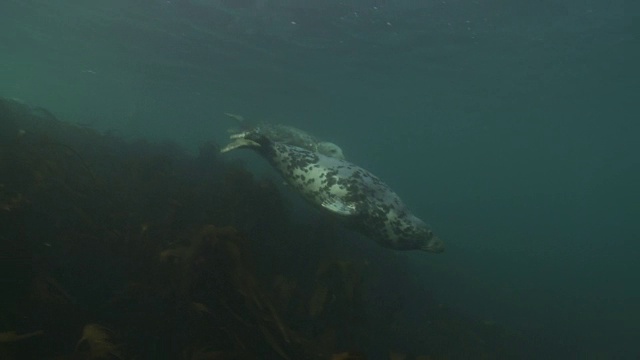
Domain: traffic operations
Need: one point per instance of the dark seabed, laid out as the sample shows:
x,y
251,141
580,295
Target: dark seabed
x,y
511,127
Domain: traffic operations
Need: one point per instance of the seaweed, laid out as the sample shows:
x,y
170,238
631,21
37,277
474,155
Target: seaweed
x,y
180,256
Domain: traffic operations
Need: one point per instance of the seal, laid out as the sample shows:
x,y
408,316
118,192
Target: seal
x,y
345,190
288,135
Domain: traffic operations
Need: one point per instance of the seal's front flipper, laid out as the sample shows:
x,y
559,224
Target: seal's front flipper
x,y
239,143
339,207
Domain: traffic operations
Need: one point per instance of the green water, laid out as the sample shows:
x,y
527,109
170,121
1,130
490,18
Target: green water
x,y
511,127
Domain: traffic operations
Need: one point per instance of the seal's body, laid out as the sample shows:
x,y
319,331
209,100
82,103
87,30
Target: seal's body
x,y
345,190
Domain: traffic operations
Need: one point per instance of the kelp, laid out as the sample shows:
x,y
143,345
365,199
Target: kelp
x,y
181,256
221,254
97,343
348,356
12,336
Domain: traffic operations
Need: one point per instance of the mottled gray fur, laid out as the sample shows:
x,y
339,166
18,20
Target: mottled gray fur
x,y
348,191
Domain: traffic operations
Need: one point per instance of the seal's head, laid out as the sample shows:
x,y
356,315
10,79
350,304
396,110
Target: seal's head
x,y
330,149
432,243
400,230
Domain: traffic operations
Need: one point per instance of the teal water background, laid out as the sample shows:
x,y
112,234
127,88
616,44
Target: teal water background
x,y
511,127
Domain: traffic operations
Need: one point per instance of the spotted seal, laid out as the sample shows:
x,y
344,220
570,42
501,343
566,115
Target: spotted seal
x,y
346,190
289,135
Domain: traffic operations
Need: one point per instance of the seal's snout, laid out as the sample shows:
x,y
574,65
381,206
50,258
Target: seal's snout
x,y
434,245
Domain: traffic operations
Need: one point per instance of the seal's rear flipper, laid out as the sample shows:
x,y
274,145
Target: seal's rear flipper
x,y
236,117
239,143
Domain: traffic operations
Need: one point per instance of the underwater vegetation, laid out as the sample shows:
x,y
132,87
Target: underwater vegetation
x,y
113,249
